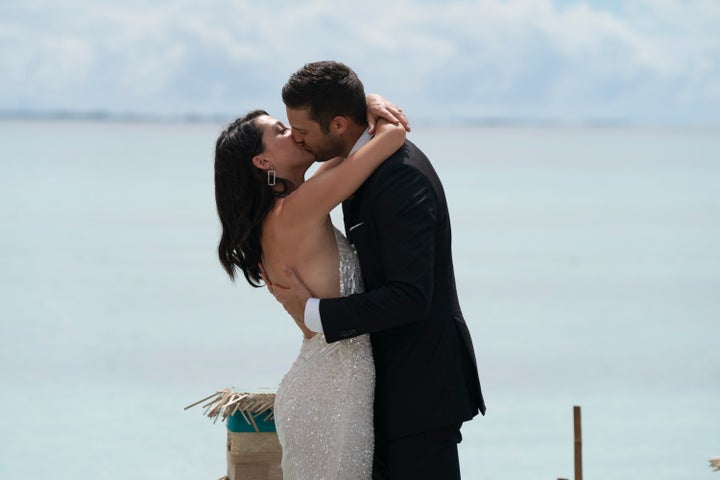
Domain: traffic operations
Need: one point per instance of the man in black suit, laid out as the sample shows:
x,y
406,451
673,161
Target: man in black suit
x,y
426,375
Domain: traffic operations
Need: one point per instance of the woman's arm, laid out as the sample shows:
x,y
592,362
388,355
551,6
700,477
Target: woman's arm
x,y
332,163
325,190
378,108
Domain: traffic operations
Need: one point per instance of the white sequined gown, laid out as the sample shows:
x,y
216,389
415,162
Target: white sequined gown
x,y
324,404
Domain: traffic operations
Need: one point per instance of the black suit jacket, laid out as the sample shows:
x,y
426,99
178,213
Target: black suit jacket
x,y
426,372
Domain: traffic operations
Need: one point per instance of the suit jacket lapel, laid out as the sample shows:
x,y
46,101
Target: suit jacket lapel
x,y
352,209
347,214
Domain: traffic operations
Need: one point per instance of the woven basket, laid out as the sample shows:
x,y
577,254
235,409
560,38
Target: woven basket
x,y
253,449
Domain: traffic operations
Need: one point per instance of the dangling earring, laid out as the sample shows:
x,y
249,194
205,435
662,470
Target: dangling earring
x,y
271,177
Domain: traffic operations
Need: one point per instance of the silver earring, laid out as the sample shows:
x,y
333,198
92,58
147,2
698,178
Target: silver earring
x,y
271,177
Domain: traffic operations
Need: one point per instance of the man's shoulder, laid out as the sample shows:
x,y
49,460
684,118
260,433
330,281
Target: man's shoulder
x,y
410,161
407,158
403,174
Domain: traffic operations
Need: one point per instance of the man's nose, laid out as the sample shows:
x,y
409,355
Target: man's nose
x,y
296,136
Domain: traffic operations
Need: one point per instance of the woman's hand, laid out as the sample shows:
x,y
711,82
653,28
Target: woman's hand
x,y
380,107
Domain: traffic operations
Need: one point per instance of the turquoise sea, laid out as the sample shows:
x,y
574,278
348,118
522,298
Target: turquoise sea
x,y
588,262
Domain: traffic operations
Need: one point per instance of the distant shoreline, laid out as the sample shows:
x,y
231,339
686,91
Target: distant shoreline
x,y
104,116
217,118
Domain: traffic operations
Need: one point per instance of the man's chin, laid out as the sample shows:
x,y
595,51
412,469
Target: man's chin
x,y
315,156
321,157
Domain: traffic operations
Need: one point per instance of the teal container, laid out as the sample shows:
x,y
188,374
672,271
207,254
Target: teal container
x,y
237,423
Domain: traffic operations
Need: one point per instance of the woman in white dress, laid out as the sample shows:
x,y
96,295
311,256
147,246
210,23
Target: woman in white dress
x,y
272,216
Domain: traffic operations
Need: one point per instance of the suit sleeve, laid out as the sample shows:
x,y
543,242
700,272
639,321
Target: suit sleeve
x,y
404,212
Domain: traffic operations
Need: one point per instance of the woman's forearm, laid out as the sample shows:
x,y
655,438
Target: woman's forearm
x,y
327,189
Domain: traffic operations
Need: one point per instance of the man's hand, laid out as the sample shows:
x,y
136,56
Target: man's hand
x,y
380,107
293,298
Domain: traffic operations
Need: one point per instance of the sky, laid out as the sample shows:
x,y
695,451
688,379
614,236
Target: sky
x,y
651,62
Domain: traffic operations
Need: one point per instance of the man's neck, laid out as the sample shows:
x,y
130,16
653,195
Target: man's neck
x,y
354,132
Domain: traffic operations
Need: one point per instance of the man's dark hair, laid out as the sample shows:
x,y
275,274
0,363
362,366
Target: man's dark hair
x,y
328,89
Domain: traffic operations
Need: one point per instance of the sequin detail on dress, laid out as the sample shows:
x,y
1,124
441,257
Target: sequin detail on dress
x,y
324,405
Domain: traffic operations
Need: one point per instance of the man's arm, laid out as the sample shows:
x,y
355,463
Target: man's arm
x,y
405,215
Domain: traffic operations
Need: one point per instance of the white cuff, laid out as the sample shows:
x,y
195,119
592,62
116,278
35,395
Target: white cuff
x,y
312,315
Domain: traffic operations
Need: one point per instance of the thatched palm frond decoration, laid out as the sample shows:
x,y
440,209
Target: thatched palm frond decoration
x,y
227,402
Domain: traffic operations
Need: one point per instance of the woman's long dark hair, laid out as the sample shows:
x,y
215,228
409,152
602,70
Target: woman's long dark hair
x,y
243,197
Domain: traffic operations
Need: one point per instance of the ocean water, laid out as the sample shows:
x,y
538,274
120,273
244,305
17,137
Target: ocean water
x,y
588,263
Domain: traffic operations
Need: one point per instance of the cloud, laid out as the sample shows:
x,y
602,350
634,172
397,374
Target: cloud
x,y
641,60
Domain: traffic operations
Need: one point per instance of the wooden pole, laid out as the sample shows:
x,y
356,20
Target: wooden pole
x,y
578,443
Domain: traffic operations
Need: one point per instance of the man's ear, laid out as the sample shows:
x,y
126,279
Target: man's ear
x,y
338,125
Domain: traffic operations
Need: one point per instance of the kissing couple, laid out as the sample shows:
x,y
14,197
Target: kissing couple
x,y
386,374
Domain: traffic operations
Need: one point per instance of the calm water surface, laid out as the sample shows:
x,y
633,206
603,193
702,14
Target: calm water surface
x,y
588,262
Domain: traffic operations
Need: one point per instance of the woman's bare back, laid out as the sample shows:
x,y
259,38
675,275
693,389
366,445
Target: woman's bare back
x,y
309,248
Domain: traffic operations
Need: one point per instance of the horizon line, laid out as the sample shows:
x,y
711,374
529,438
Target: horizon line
x,y
462,121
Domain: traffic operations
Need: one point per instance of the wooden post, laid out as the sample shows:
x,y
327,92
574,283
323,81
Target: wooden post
x,y
253,449
253,456
578,443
